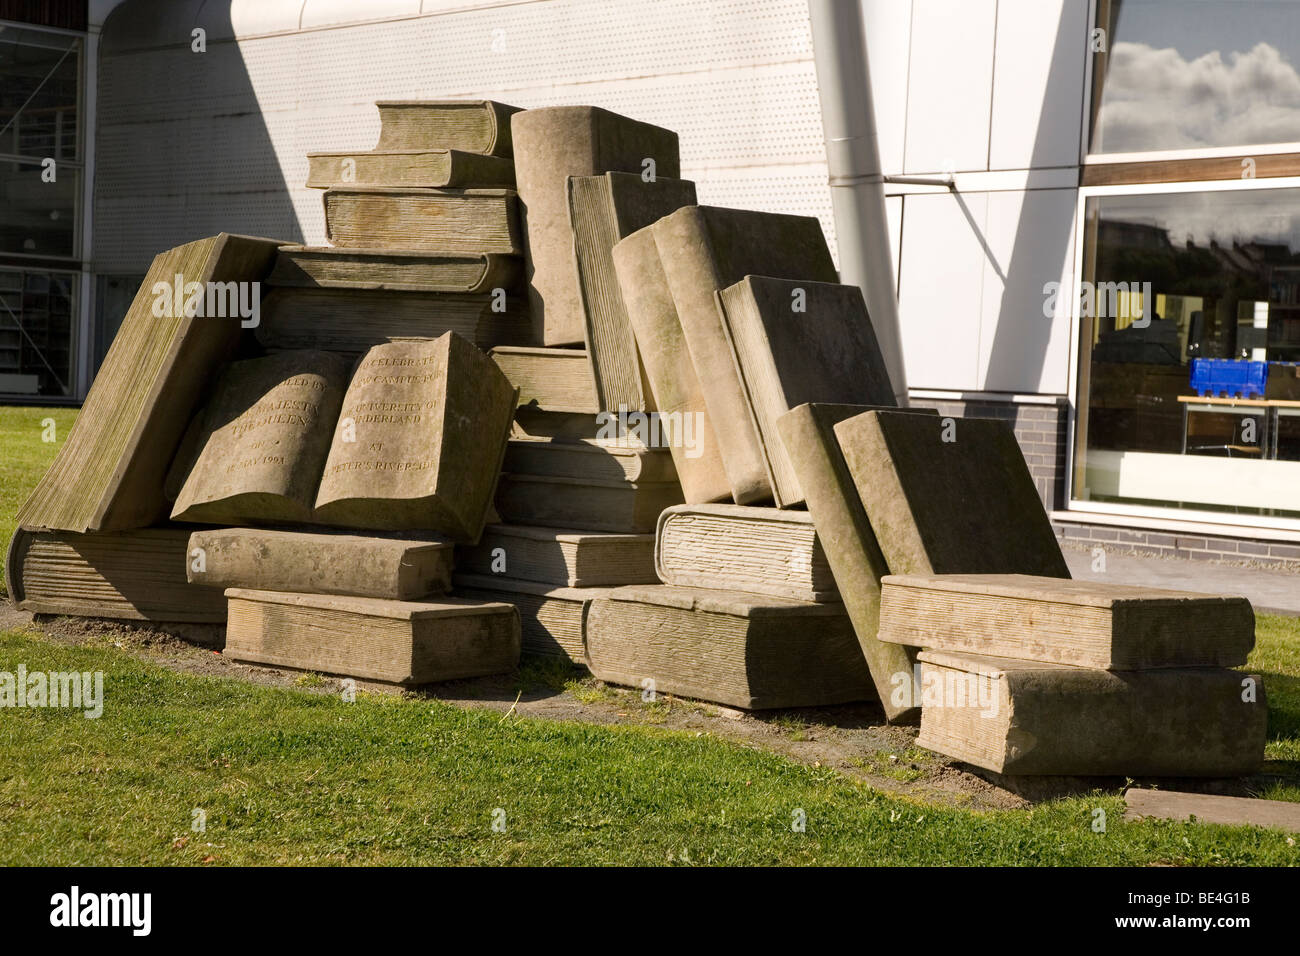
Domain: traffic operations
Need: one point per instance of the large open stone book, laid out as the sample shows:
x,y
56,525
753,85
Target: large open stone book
x,y
1084,623
412,439
1031,717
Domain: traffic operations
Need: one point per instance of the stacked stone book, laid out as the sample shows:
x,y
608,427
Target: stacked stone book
x,y
1031,675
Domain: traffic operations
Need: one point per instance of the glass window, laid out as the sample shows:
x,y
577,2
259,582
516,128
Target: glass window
x,y
1195,74
36,332
1190,378
39,85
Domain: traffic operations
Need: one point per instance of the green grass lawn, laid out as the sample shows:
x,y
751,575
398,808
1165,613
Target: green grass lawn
x,y
288,776
24,456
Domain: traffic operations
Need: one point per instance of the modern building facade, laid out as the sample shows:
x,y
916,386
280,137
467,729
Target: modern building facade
x,y
1084,196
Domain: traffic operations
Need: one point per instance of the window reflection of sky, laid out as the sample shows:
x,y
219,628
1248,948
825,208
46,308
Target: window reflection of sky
x,y
1238,216
1186,74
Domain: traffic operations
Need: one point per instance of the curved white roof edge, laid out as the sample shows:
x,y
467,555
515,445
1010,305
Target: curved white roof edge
x,y
147,24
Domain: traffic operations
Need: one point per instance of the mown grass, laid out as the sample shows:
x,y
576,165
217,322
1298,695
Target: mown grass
x,y
291,777
24,456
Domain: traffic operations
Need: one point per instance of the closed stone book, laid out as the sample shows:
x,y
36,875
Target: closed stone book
x,y
470,221
110,471
705,249
674,385
1033,717
396,568
743,548
412,440
404,643
396,270
134,575
584,503
560,557
553,144
808,435
602,459
431,168
475,126
354,320
551,618
551,379
794,341
742,650
602,211
949,495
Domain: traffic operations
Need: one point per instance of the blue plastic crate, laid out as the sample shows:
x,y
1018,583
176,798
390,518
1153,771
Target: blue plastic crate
x,y
1234,378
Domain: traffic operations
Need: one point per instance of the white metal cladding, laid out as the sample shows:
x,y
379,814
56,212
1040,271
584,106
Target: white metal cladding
x,y
191,144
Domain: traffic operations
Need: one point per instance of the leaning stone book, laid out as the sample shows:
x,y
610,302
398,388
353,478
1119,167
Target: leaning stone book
x,y
1031,717
413,441
795,341
704,249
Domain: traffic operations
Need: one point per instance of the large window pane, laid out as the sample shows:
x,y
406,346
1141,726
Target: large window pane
x,y
1171,279
36,340
39,80
1194,74
37,217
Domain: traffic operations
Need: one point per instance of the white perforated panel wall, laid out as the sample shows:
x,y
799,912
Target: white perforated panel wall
x,y
190,144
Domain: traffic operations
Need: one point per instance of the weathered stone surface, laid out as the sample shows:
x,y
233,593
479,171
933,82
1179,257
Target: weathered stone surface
x,y
553,144
575,559
674,385
704,249
398,569
731,648
109,474
603,210
767,551
808,435
476,126
130,575
429,428
420,168
551,380
399,270
949,495
1030,717
394,642
1083,623
602,459
468,221
585,504
1211,808
551,618
795,341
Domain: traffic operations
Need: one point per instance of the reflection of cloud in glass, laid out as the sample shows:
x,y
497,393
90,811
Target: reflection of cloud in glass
x,y
1155,99
1265,216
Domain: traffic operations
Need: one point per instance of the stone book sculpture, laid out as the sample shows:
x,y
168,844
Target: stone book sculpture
x,y
553,144
949,495
743,650
469,221
343,320
421,168
553,380
743,548
404,643
395,270
705,249
602,211
574,559
1081,623
1030,717
129,575
109,474
475,126
413,441
396,568
585,504
794,341
808,435
551,618
602,459
675,387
